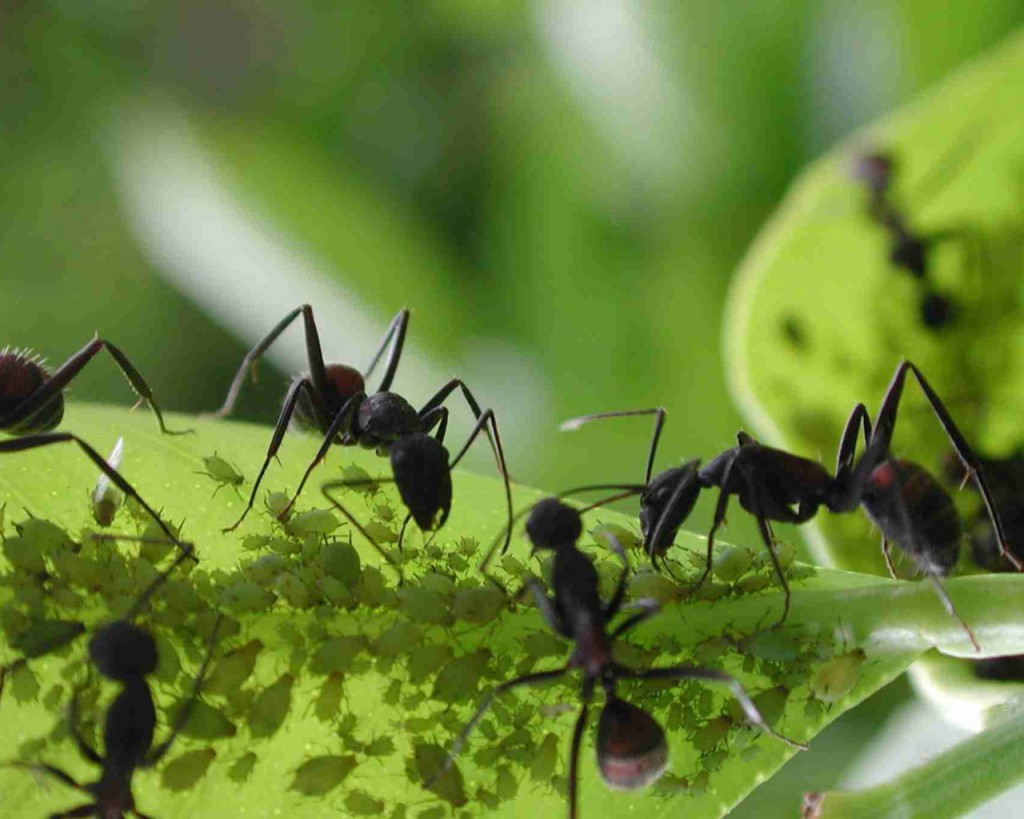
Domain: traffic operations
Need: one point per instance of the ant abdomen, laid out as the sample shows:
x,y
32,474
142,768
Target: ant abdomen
x,y
902,492
420,466
123,651
21,374
631,748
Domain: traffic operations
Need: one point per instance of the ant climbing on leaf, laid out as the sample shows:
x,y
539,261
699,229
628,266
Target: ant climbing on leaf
x,y
908,505
910,250
125,653
332,399
631,748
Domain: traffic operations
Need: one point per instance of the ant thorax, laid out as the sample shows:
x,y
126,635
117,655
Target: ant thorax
x,y
383,418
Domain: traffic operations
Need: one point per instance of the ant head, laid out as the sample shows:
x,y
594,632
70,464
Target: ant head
x,y
122,651
553,524
420,466
631,748
937,311
21,374
874,169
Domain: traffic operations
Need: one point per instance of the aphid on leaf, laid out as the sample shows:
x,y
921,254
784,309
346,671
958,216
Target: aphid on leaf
x,y
241,769
222,473
184,771
322,774
270,708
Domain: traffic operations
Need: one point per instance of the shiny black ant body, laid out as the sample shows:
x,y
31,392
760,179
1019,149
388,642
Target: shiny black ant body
x,y
908,505
332,399
631,747
125,653
908,249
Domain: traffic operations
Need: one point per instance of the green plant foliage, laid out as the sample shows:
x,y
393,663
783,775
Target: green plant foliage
x,y
819,318
334,688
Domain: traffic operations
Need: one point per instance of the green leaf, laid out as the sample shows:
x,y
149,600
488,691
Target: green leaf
x,y
401,679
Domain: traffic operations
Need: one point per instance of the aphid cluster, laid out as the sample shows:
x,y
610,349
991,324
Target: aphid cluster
x,y
303,624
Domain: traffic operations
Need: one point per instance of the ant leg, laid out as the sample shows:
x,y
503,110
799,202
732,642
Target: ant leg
x,y
342,420
486,422
71,368
252,358
692,672
287,410
395,336
613,606
659,421
948,605
547,608
648,608
84,748
574,752
688,483
858,419
401,532
325,489
769,542
56,773
527,679
721,507
81,810
961,447
154,756
888,559
47,438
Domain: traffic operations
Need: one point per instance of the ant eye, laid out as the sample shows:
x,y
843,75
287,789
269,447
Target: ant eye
x,y
631,747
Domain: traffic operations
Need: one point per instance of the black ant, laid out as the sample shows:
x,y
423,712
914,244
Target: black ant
x,y
908,249
332,399
902,498
631,747
125,653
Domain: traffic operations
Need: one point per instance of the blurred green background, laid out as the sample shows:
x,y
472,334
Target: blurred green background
x,y
559,189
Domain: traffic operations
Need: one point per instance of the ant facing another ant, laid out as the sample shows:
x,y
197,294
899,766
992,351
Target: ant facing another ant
x,y
631,747
332,400
908,505
123,652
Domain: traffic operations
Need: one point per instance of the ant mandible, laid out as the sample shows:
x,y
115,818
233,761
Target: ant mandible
x,y
908,249
631,747
909,506
332,399
125,653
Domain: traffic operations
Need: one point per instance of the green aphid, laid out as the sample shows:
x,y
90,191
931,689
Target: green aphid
x,y
32,748
53,699
181,596
771,703
24,685
393,693
336,593
399,812
837,677
246,597
771,644
459,680
284,546
313,522
542,767
478,605
372,587
265,568
507,784
425,606
340,560
651,585
358,803
384,511
425,660
233,669
336,655
222,473
328,701
401,637
468,546
184,771
253,543
705,702
276,504
446,784
626,537
105,498
731,563
486,798
381,746
66,599
293,590
756,583
436,812
205,722
351,743
47,536
322,774
380,532
270,708
438,583
23,554
241,768
711,733
542,644
457,563
168,665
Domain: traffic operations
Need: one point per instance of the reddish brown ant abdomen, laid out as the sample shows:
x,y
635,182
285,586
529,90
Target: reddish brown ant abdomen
x,y
631,748
21,374
929,508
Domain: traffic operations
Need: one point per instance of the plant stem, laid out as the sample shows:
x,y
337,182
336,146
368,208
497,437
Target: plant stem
x,y
949,785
